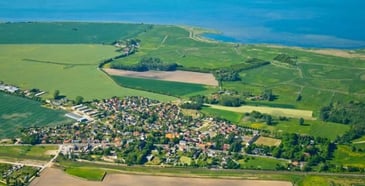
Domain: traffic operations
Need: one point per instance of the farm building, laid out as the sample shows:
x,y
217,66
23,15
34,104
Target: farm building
x,y
8,88
76,117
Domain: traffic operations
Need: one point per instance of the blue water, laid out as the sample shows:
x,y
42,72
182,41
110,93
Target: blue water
x,y
307,23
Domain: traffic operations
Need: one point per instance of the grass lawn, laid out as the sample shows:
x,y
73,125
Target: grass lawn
x,y
234,117
260,163
26,152
177,89
92,174
267,141
75,72
346,157
17,112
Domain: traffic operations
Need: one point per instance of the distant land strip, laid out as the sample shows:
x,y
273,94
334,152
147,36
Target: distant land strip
x,y
57,63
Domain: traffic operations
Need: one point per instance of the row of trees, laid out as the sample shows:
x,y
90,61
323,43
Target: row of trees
x,y
284,58
78,99
146,64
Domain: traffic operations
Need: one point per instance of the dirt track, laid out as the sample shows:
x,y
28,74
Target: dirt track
x,y
56,177
179,76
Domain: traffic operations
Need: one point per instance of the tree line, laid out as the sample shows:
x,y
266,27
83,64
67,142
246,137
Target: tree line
x,y
146,64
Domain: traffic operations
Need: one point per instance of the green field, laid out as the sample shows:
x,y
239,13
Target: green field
x,y
26,152
261,163
92,174
68,32
319,78
310,127
234,117
301,179
311,180
346,157
17,112
72,69
171,88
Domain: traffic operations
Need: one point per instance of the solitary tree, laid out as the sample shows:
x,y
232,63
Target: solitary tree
x,y
79,100
268,120
301,121
56,94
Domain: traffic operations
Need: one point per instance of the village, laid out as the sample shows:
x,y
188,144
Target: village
x,y
137,130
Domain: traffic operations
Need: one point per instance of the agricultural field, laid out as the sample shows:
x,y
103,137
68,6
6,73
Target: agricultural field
x,y
330,180
68,32
345,156
320,76
56,177
296,113
337,80
17,112
170,88
177,76
261,163
72,69
310,127
313,128
38,152
234,117
92,174
359,143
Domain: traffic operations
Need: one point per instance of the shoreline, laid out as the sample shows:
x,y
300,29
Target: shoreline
x,y
198,35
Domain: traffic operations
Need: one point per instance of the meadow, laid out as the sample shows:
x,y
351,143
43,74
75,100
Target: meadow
x,y
310,127
261,163
17,112
68,32
26,152
295,113
346,157
92,174
71,69
295,178
170,88
234,117
319,77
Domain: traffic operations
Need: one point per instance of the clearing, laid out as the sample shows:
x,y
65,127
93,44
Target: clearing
x,y
177,76
56,177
